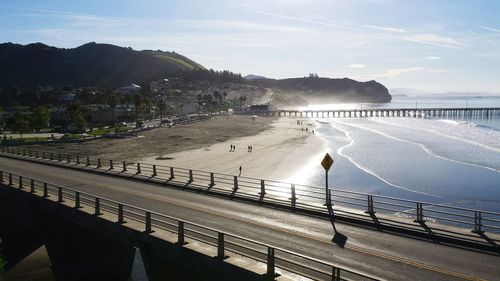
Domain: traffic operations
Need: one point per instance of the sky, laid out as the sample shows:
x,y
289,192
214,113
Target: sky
x,y
437,46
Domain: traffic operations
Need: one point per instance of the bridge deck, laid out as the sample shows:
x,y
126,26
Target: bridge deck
x,y
386,255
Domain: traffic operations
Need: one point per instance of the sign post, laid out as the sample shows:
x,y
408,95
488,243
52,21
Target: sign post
x,y
327,164
338,238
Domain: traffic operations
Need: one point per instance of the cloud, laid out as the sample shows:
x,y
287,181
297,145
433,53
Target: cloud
x,y
384,28
433,58
239,25
435,40
490,28
391,73
357,65
292,18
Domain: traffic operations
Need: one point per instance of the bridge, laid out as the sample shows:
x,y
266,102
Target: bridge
x,y
484,112
265,228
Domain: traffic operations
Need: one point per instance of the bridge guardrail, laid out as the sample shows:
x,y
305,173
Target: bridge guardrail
x,y
224,242
288,195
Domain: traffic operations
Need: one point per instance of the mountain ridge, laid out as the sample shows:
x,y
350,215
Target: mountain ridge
x,y
86,65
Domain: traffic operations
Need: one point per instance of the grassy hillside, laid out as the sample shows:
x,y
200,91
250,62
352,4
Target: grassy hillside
x,y
88,65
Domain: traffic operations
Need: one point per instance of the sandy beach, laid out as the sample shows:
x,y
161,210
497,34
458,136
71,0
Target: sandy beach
x,y
277,153
281,147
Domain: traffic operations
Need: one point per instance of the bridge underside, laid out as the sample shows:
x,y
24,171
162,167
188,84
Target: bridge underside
x,y
82,246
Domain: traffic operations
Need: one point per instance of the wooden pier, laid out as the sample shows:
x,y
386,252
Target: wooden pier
x,y
484,112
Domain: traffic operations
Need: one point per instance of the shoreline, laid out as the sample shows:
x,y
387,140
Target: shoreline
x,y
278,153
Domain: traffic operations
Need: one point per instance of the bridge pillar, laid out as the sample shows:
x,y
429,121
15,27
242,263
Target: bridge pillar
x,y
177,262
20,226
77,253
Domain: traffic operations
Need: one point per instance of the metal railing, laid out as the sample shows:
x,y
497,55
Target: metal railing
x,y
223,242
293,196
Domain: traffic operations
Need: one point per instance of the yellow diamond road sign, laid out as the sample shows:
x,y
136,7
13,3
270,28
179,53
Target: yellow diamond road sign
x,y
327,162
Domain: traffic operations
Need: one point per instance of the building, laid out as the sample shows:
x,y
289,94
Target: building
x,y
131,89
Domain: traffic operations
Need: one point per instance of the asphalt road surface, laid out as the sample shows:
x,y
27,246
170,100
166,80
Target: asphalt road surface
x,y
388,256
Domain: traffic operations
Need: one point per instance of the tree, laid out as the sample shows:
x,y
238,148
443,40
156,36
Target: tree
x,y
138,105
41,118
113,102
80,122
242,99
161,106
1,117
21,124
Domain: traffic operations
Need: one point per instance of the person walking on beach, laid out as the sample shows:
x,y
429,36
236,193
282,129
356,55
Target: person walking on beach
x,y
240,171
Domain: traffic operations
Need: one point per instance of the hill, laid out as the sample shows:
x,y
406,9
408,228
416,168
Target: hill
x,y
320,90
88,65
254,77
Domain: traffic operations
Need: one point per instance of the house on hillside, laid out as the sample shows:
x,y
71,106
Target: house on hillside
x,y
260,108
131,89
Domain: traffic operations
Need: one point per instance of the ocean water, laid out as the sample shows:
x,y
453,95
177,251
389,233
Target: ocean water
x,y
449,161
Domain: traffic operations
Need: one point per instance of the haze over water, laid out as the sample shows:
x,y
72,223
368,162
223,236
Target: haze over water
x,y
455,162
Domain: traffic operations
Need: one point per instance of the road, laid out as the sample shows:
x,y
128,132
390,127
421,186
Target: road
x,y
384,255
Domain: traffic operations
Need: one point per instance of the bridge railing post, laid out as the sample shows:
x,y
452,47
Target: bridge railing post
x,y
180,233
419,213
20,182
270,263
43,154
138,168
88,161
220,246
97,209
124,166
172,176
77,160
370,208
60,194
45,190
98,163
235,185
212,180
77,200
32,185
335,273
262,192
1,176
293,199
190,176
10,179
478,224
147,226
120,214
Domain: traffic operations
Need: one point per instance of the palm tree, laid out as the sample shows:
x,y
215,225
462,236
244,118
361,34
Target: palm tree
x,y
113,102
137,103
243,99
161,106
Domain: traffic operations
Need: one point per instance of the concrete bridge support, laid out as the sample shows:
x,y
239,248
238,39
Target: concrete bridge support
x,y
77,253
19,226
83,246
